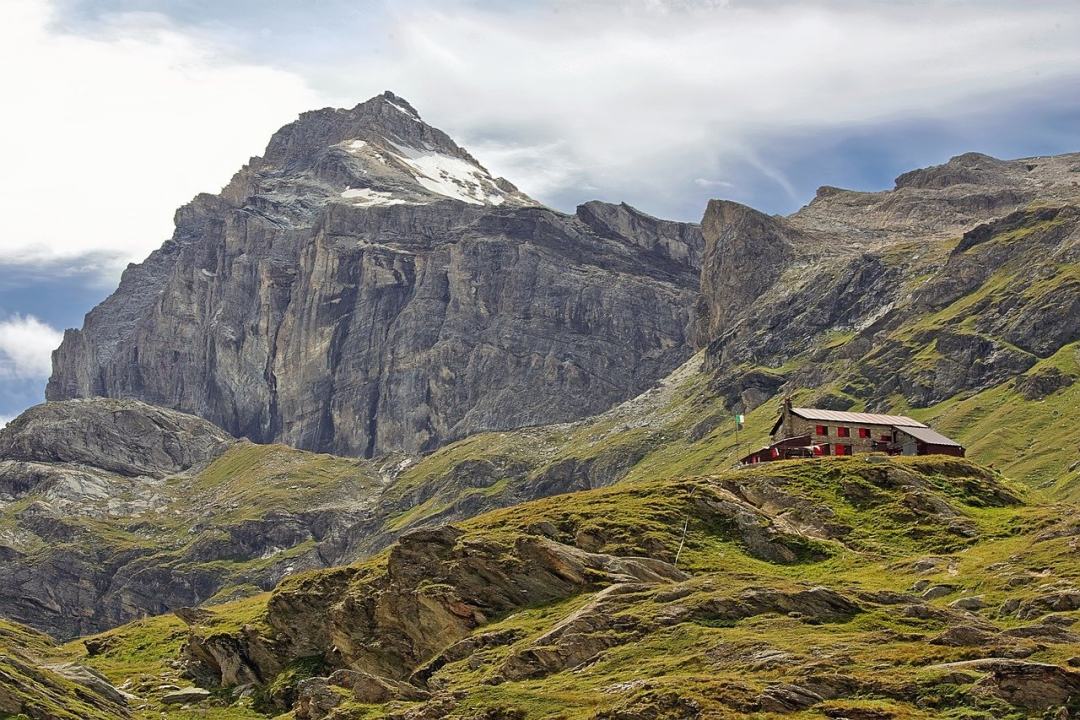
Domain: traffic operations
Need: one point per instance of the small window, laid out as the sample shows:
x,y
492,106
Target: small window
x,y
843,432
822,430
886,437
864,432
843,449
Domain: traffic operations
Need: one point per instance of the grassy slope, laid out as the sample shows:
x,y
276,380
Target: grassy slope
x,y
701,662
28,688
708,663
140,656
1035,441
662,432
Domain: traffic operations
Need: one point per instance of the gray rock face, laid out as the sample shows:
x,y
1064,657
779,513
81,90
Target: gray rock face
x,y
367,286
125,437
745,253
184,696
872,289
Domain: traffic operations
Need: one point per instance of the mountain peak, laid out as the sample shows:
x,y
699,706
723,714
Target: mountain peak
x,y
380,152
396,102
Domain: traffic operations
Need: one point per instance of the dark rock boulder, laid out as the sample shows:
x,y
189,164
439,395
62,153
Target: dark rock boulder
x,y
1035,686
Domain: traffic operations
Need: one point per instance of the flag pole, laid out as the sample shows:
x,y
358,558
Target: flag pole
x,y
738,423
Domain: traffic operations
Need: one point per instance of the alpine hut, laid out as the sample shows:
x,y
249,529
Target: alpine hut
x,y
810,432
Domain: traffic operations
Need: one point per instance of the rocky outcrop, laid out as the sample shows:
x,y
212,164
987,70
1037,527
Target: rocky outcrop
x,y
438,588
949,283
30,687
1039,385
124,437
1029,685
366,286
746,252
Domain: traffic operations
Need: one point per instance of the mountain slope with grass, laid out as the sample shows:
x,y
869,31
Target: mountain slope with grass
x,y
846,587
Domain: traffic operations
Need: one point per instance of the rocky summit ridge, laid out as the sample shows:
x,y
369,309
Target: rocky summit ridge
x,y
366,286
381,153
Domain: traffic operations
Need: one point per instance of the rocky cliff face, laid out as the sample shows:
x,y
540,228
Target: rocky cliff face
x,y
960,278
367,286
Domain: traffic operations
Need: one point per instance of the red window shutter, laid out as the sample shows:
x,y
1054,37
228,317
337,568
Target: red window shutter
x,y
843,449
864,432
822,430
886,437
842,432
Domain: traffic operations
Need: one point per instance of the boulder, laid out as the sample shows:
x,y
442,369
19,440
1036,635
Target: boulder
x,y
1035,686
972,602
185,696
938,591
316,698
786,698
963,636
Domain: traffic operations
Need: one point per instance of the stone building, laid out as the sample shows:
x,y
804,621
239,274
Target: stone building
x,y
809,432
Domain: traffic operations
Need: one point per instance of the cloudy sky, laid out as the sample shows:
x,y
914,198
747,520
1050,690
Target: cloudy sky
x,y
118,111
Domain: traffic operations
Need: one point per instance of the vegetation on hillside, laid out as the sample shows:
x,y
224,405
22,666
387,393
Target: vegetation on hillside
x,y
840,587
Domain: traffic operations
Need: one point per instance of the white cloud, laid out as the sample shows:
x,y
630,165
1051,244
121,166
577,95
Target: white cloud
x,y
103,137
4,421
646,96
26,346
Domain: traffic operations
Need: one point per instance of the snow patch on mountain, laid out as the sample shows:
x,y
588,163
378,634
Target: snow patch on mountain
x,y
367,196
450,176
401,109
